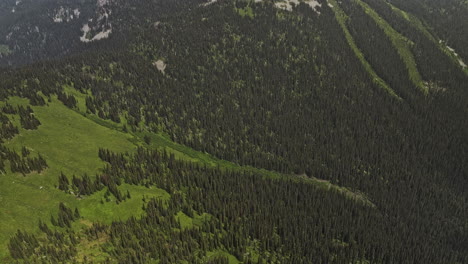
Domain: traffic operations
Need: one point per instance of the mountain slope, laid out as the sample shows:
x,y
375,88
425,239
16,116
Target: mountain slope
x,y
61,141
259,130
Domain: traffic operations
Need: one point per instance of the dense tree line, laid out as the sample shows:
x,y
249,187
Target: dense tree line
x,y
54,246
303,224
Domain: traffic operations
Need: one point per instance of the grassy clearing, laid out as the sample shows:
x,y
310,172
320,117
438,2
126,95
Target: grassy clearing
x,y
161,141
70,144
246,11
232,259
414,21
341,17
401,44
69,141
417,23
189,222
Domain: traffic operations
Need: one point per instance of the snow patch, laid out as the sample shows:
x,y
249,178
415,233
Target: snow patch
x,y
288,4
101,35
156,24
460,61
65,14
160,65
212,2
102,3
59,16
85,30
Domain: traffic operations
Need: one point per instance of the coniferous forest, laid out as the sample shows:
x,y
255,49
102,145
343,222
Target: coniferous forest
x,y
156,131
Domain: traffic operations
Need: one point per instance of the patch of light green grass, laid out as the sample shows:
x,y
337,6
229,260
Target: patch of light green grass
x,y
93,210
69,143
232,259
189,222
245,12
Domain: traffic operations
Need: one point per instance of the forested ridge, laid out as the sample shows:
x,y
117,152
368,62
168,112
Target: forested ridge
x,y
275,92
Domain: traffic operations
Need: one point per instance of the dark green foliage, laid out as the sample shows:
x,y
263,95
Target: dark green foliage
x,y
378,50
25,151
66,216
23,165
68,100
85,185
27,118
27,165
446,18
56,246
63,182
282,91
9,109
302,224
147,139
7,129
22,245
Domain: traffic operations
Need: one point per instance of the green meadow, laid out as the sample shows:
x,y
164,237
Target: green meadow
x,y
69,143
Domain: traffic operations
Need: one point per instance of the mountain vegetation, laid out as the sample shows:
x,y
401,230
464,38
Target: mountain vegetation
x,y
234,132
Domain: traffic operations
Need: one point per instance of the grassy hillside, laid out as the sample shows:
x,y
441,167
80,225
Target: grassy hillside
x,y
69,141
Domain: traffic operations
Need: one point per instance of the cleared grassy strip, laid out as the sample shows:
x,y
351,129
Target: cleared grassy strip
x,y
341,17
416,22
161,141
401,43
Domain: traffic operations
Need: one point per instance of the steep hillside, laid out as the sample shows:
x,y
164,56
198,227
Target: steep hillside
x,y
235,132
